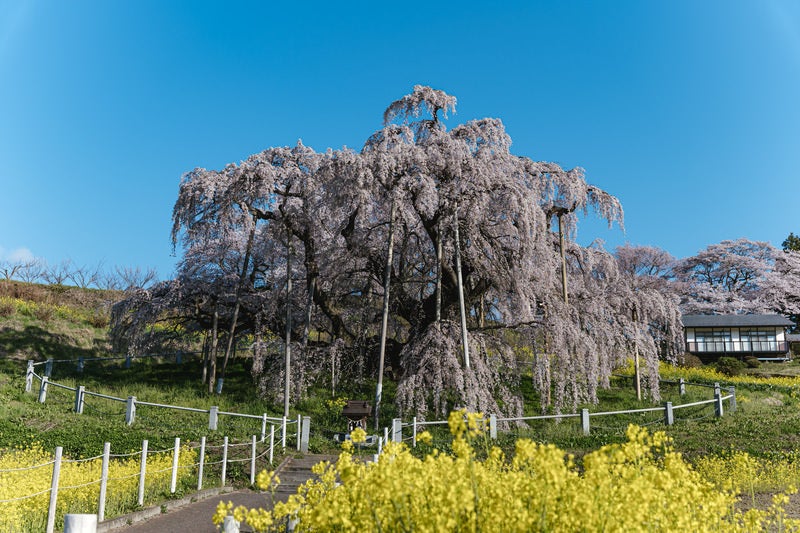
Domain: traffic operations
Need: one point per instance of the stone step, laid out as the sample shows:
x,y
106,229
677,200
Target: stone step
x,y
294,471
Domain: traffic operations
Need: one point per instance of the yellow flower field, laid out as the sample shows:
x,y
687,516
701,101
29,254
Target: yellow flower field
x,y
640,485
26,474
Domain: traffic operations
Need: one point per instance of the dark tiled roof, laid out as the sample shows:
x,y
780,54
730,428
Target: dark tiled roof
x,y
793,337
732,321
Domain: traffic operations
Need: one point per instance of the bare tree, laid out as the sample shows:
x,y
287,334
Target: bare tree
x,y
57,274
83,276
108,280
10,269
31,271
135,277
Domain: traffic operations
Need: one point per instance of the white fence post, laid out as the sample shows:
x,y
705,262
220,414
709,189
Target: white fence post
x,y
585,421
271,442
79,399
682,386
224,459
29,376
218,388
304,435
173,484
718,412
213,417
669,415
414,432
732,404
80,523
128,361
253,461
397,430
263,427
230,525
101,504
48,368
283,433
142,473
79,368
43,389
130,411
51,511
299,428
493,427
202,462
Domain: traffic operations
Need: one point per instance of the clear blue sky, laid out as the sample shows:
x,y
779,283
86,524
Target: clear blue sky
x,y
687,111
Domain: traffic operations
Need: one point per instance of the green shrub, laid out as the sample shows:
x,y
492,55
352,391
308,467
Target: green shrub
x,y
688,360
752,361
730,366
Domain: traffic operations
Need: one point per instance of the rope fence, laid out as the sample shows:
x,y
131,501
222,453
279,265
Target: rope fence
x,y
230,453
299,434
255,453
667,411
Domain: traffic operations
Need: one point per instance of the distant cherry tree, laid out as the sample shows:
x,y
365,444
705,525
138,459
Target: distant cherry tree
x,y
782,286
727,277
649,263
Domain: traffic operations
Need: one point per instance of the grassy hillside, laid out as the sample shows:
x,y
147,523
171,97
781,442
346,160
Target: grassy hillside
x,y
53,321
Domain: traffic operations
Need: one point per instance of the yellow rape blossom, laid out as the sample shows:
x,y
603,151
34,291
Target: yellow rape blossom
x,y
26,476
425,437
358,435
640,485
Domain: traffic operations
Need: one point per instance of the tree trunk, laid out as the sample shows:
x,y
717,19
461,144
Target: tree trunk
x,y
464,337
333,374
205,358
482,311
563,261
239,286
312,284
637,372
385,319
439,272
212,358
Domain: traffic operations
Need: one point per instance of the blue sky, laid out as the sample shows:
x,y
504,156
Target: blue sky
x,y
687,111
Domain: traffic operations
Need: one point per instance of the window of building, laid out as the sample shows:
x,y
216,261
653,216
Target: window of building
x,y
713,339
759,339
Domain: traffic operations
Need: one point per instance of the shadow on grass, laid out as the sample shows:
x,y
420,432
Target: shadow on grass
x,y
42,344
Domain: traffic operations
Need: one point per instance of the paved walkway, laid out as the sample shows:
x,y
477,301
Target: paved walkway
x,y
195,516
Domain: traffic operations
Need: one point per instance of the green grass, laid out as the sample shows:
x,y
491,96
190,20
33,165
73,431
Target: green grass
x,y
767,421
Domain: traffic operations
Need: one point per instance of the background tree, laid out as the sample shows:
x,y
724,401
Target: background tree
x,y
57,273
84,276
134,277
726,278
781,288
792,242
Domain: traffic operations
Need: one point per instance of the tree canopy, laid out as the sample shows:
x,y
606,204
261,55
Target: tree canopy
x,y
323,220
